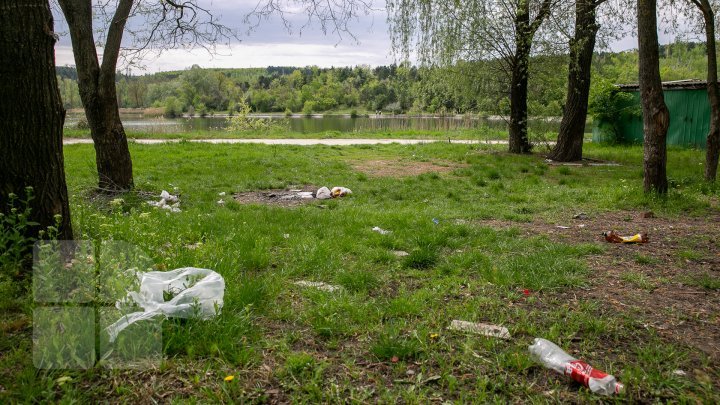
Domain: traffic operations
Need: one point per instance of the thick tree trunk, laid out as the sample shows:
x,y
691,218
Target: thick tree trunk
x,y
656,117
98,94
713,137
31,114
519,142
572,128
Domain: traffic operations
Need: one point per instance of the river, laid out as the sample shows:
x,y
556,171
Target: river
x,y
319,123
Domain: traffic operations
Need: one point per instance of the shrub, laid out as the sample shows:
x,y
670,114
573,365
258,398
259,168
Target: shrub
x,y
244,122
82,124
611,105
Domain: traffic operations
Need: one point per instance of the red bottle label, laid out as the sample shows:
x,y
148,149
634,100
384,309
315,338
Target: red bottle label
x,y
582,372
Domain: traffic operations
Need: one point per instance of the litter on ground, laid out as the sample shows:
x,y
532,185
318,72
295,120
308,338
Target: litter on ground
x,y
480,329
167,202
381,231
400,253
613,237
553,357
196,293
318,285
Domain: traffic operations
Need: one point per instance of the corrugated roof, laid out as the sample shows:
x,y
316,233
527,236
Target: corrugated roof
x,y
672,85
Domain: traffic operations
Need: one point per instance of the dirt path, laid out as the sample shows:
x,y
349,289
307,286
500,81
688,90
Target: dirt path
x,y
300,142
667,284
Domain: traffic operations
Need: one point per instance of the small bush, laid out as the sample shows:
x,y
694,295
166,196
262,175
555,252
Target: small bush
x,y
244,122
82,124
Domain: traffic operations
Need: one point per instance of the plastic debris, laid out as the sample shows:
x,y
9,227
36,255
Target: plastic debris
x,y
480,329
436,221
221,202
400,253
381,231
222,194
167,202
340,192
562,227
318,285
196,293
551,356
679,373
613,237
323,193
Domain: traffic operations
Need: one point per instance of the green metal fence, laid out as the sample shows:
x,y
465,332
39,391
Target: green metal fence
x,y
689,120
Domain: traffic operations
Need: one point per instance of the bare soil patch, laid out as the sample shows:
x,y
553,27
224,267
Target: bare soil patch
x,y
282,197
657,282
402,168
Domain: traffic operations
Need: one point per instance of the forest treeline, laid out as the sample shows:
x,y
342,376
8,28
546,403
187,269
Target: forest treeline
x,y
462,88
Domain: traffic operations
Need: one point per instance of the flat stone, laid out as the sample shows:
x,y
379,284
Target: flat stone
x,y
480,329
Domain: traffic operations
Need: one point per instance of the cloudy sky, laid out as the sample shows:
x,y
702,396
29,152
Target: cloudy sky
x,y
270,44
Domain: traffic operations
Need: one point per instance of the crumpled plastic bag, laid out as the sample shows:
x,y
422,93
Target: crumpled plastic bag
x,y
195,293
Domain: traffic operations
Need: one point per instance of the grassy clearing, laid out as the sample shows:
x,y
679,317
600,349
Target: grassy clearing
x,y
383,337
481,134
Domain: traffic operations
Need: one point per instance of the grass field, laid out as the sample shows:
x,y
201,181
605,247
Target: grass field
x,y
480,228
483,134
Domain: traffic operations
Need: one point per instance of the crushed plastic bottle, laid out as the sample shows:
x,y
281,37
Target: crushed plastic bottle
x,y
613,237
551,356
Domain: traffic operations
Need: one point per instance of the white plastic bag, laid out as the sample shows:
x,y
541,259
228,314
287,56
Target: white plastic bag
x,y
195,293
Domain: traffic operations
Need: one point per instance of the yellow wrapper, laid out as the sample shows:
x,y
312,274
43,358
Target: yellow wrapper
x,y
637,238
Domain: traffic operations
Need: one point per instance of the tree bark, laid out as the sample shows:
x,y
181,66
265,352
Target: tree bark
x,y
31,115
572,127
98,94
519,142
656,117
713,137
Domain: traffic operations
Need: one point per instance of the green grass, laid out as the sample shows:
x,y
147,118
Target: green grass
x,y
383,338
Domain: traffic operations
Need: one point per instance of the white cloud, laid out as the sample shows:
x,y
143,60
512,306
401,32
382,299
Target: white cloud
x,y
259,55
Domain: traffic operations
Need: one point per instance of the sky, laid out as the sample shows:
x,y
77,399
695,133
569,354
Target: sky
x,y
270,44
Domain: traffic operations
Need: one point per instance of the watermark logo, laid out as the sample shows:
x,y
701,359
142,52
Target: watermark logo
x,y
80,289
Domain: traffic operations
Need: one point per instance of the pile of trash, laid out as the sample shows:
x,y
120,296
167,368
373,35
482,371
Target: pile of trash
x,y
323,193
167,202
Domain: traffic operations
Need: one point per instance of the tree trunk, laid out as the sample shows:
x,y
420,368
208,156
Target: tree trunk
x,y
656,117
31,114
572,128
519,142
98,93
713,137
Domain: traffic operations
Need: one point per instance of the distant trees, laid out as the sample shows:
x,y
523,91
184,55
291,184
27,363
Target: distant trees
x,y
31,117
503,31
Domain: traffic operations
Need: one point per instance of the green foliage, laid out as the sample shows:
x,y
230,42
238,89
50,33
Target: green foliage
x,y
611,105
13,228
172,107
244,122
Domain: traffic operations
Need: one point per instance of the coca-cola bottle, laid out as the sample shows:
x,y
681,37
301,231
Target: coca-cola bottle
x,y
551,356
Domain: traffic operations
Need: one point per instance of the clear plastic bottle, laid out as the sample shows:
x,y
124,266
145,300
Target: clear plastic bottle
x,y
551,356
